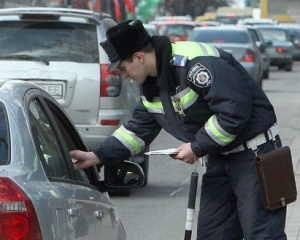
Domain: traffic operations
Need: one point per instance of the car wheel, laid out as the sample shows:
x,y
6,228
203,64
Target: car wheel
x,y
288,67
266,74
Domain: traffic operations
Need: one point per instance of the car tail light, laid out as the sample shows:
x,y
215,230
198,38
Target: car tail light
x,y
110,122
110,83
282,50
248,57
17,214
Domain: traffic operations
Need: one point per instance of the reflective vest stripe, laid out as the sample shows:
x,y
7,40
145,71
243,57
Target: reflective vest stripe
x,y
153,107
194,49
133,143
217,133
210,50
187,97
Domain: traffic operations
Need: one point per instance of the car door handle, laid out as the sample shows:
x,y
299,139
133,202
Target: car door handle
x,y
99,214
73,212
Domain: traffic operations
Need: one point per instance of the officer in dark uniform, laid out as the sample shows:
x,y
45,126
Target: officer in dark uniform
x,y
204,97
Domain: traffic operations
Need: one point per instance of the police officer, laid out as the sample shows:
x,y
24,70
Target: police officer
x,y
204,97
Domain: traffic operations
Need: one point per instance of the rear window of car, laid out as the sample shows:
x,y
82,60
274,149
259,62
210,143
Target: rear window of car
x,y
4,143
274,35
176,29
53,41
227,36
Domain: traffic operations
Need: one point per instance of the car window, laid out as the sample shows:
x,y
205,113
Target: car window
x,y
46,141
55,41
254,35
4,143
274,35
227,36
176,29
70,137
48,144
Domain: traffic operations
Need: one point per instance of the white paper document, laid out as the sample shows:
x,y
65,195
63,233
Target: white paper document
x,y
170,151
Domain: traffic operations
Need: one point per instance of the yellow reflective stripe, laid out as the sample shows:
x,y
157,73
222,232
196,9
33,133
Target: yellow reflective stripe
x,y
218,134
153,107
133,143
187,97
212,51
187,49
194,49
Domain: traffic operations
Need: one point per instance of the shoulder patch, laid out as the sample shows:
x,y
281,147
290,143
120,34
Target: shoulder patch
x,y
179,60
200,76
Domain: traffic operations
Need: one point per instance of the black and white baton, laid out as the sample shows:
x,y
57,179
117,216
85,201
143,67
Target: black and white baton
x,y
192,199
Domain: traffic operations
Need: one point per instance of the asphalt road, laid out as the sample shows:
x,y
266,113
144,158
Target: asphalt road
x,y
158,211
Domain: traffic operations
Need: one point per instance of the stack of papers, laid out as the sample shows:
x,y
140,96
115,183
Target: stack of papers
x,y
170,151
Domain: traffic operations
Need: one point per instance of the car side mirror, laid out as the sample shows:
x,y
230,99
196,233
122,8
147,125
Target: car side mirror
x,y
124,175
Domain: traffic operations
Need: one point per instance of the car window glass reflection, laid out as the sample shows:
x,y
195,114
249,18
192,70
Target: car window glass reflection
x,y
46,142
51,42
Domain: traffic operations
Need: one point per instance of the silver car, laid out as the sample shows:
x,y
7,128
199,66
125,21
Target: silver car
x,y
236,41
281,46
42,196
58,49
262,45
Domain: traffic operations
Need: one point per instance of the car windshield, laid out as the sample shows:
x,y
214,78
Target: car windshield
x,y
50,41
274,35
222,36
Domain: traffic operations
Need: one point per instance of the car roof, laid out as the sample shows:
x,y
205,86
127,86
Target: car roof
x,y
55,12
267,26
221,28
191,23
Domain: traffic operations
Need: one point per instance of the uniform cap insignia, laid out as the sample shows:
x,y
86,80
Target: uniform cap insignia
x,y
200,76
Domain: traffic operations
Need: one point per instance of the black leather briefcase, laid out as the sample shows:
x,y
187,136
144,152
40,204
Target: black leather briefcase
x,y
276,178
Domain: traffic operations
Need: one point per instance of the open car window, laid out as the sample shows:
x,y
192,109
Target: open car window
x,y
4,143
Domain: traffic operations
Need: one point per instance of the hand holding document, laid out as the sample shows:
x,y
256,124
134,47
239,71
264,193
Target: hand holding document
x,y
170,151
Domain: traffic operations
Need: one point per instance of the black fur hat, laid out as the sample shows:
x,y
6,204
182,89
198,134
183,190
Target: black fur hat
x,y
123,40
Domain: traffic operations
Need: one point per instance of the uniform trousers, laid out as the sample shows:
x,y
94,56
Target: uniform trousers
x,y
231,206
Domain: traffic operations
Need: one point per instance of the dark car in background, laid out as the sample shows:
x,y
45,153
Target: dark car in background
x,y
281,47
294,33
236,41
42,195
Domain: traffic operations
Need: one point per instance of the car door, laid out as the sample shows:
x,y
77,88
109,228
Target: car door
x,y
78,209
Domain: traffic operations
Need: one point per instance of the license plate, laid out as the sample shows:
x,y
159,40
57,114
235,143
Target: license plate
x,y
56,90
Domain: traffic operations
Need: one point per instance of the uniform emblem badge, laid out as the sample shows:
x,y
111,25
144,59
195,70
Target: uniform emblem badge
x,y
200,76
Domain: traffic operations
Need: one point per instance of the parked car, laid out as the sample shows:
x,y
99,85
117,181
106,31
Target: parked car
x,y
58,49
294,33
175,30
281,47
42,196
262,45
236,41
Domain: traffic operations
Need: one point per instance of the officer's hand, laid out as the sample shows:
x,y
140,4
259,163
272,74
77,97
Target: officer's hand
x,y
83,159
185,154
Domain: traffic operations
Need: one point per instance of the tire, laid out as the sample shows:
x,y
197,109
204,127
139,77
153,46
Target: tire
x,y
288,67
266,74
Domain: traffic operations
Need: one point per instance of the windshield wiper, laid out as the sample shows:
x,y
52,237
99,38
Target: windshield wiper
x,y
25,57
